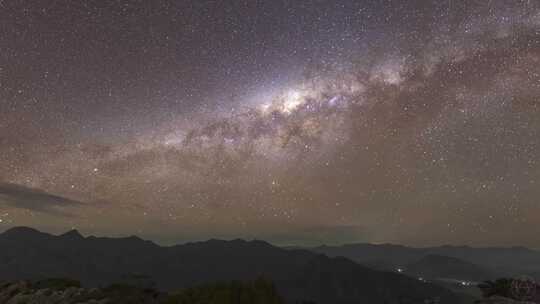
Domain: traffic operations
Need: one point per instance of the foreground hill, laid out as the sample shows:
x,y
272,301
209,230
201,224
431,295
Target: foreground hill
x,y
298,274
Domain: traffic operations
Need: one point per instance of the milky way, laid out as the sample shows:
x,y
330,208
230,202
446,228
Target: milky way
x,y
298,123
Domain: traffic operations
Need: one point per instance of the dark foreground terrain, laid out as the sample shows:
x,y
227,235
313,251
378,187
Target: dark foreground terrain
x,y
298,275
65,291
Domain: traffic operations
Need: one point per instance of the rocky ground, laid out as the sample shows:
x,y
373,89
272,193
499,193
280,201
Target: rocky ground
x,y
21,292
67,291
24,292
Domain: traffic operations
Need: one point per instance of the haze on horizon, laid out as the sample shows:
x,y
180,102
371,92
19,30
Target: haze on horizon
x,y
409,122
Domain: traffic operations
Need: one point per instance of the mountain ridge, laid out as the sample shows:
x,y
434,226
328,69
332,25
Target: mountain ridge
x,y
299,274
503,261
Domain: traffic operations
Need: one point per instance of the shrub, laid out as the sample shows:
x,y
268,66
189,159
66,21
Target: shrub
x,y
56,284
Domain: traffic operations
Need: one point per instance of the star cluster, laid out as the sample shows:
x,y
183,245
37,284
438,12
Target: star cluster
x,y
412,122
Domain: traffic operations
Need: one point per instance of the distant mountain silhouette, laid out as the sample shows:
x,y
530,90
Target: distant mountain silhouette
x,y
499,261
435,266
298,274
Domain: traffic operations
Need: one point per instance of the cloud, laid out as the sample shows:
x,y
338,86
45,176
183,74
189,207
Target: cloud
x,y
34,199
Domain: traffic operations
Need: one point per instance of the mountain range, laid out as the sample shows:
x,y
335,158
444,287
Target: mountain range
x,y
465,262
299,275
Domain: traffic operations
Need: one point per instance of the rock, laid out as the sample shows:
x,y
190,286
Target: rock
x,y
9,290
21,293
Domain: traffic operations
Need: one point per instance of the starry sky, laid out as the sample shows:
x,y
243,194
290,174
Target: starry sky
x,y
297,122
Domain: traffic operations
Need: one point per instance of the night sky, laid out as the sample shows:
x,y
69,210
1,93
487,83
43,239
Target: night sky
x,y
297,122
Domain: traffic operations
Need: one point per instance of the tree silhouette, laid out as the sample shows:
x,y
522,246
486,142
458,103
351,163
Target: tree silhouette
x,y
259,291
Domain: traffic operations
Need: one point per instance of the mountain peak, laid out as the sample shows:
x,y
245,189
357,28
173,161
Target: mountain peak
x,y
22,232
73,234
21,229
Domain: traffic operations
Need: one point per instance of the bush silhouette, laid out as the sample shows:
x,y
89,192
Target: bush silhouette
x,y
56,284
259,291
